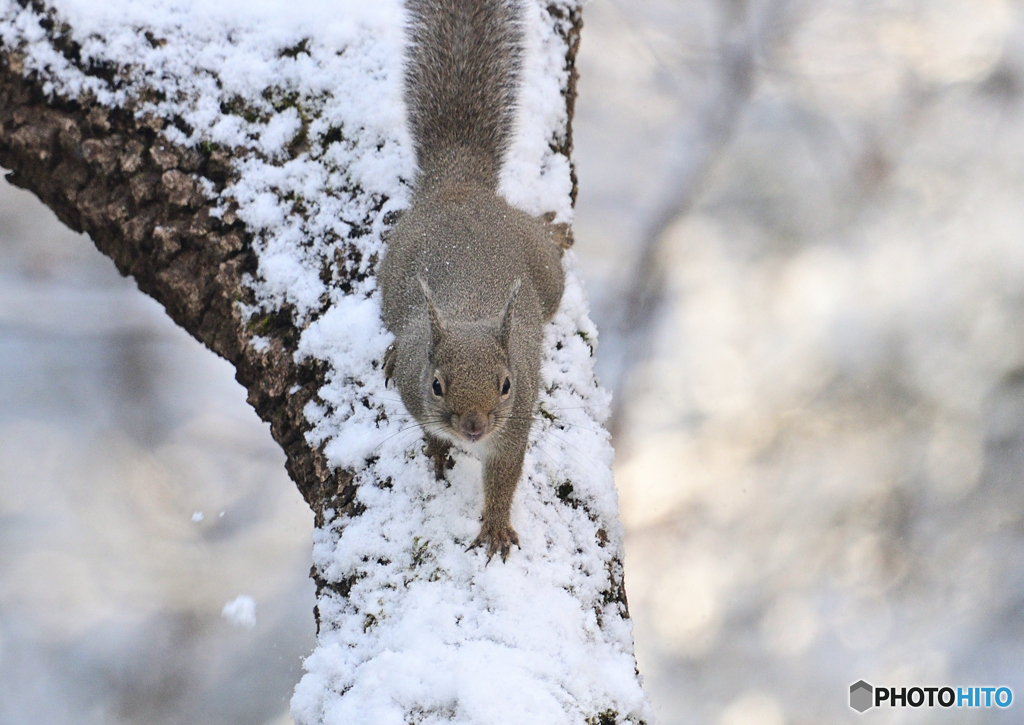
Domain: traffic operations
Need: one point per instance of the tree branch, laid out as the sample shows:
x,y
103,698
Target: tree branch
x,y
111,175
258,229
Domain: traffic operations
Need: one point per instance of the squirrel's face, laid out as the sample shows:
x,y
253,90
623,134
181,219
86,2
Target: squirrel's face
x,y
468,386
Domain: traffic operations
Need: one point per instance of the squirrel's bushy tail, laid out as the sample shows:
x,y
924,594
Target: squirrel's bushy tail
x,y
461,82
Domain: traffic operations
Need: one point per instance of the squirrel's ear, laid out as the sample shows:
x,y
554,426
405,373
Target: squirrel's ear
x,y
508,316
437,323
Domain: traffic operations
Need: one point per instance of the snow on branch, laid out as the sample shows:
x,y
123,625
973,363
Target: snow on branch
x,y
242,161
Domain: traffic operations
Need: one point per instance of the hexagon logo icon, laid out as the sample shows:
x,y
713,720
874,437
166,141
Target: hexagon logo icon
x,y
860,696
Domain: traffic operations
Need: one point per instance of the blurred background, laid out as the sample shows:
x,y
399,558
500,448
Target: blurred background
x,y
139,494
802,226
818,353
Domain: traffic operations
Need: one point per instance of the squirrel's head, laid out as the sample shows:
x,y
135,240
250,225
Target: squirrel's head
x,y
468,385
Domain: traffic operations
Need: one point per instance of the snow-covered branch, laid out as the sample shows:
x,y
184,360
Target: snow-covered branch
x,y
242,161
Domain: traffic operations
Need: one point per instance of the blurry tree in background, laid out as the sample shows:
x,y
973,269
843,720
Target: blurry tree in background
x,y
817,351
139,492
818,358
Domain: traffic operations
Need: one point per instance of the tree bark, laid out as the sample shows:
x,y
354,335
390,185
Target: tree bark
x,y
113,176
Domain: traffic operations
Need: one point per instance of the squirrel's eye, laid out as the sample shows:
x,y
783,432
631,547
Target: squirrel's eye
x,y
436,387
506,386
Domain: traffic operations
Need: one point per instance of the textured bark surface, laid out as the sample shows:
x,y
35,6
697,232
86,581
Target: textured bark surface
x,y
109,175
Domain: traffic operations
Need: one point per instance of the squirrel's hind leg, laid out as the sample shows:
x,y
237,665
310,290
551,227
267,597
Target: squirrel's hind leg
x,y
561,233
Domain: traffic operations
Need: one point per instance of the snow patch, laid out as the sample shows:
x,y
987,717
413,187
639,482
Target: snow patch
x,y
241,612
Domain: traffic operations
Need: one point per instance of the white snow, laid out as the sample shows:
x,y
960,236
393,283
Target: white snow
x,y
241,612
197,516
428,630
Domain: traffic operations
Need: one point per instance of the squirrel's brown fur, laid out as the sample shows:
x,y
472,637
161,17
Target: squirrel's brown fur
x,y
468,281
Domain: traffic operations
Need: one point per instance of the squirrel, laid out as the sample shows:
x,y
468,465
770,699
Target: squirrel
x,y
467,280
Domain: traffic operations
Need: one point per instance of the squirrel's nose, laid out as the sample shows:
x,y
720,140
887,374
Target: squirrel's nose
x,y
473,425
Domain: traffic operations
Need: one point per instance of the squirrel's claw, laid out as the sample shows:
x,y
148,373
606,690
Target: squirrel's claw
x,y
498,539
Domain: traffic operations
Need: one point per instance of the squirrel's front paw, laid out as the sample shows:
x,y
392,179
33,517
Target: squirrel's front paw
x,y
440,451
497,538
389,364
